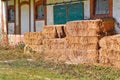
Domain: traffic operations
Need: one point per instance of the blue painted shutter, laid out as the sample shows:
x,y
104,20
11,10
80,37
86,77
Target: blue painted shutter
x,y
75,11
59,14
69,12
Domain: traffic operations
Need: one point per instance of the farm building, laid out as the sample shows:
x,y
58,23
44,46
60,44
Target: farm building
x,y
20,16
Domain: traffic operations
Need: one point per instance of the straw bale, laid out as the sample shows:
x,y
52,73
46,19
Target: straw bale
x,y
77,32
49,32
83,46
82,27
56,55
109,57
37,48
84,56
110,42
110,54
28,41
33,38
72,56
82,40
26,35
55,43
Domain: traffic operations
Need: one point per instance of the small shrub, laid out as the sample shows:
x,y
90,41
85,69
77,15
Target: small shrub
x,y
20,45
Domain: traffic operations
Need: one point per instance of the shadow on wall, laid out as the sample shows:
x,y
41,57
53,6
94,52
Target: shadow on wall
x,y
117,26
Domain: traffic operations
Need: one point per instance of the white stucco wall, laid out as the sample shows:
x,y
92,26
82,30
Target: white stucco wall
x,y
116,14
87,9
50,17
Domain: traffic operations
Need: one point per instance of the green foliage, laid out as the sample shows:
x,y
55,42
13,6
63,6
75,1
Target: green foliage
x,y
20,45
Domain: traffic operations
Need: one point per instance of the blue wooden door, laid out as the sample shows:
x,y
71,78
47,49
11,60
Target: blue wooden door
x,y
75,11
60,14
69,12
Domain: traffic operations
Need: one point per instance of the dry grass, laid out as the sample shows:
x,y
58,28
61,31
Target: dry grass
x,y
38,69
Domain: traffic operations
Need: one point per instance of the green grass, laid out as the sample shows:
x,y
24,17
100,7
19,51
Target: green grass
x,y
22,69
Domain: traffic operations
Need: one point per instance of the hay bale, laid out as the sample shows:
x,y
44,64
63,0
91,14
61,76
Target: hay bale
x,y
72,56
81,28
78,46
56,55
49,32
110,54
37,48
78,33
109,57
55,43
26,35
89,27
110,42
33,38
82,40
84,56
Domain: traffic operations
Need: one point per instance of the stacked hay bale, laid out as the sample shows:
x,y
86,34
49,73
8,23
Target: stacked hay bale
x,y
83,37
55,46
75,42
110,50
56,49
33,40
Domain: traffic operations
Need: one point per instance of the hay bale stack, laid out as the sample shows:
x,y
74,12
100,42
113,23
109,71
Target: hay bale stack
x,y
83,37
110,50
75,42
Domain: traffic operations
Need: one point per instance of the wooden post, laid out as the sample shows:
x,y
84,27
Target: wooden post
x,y
0,14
